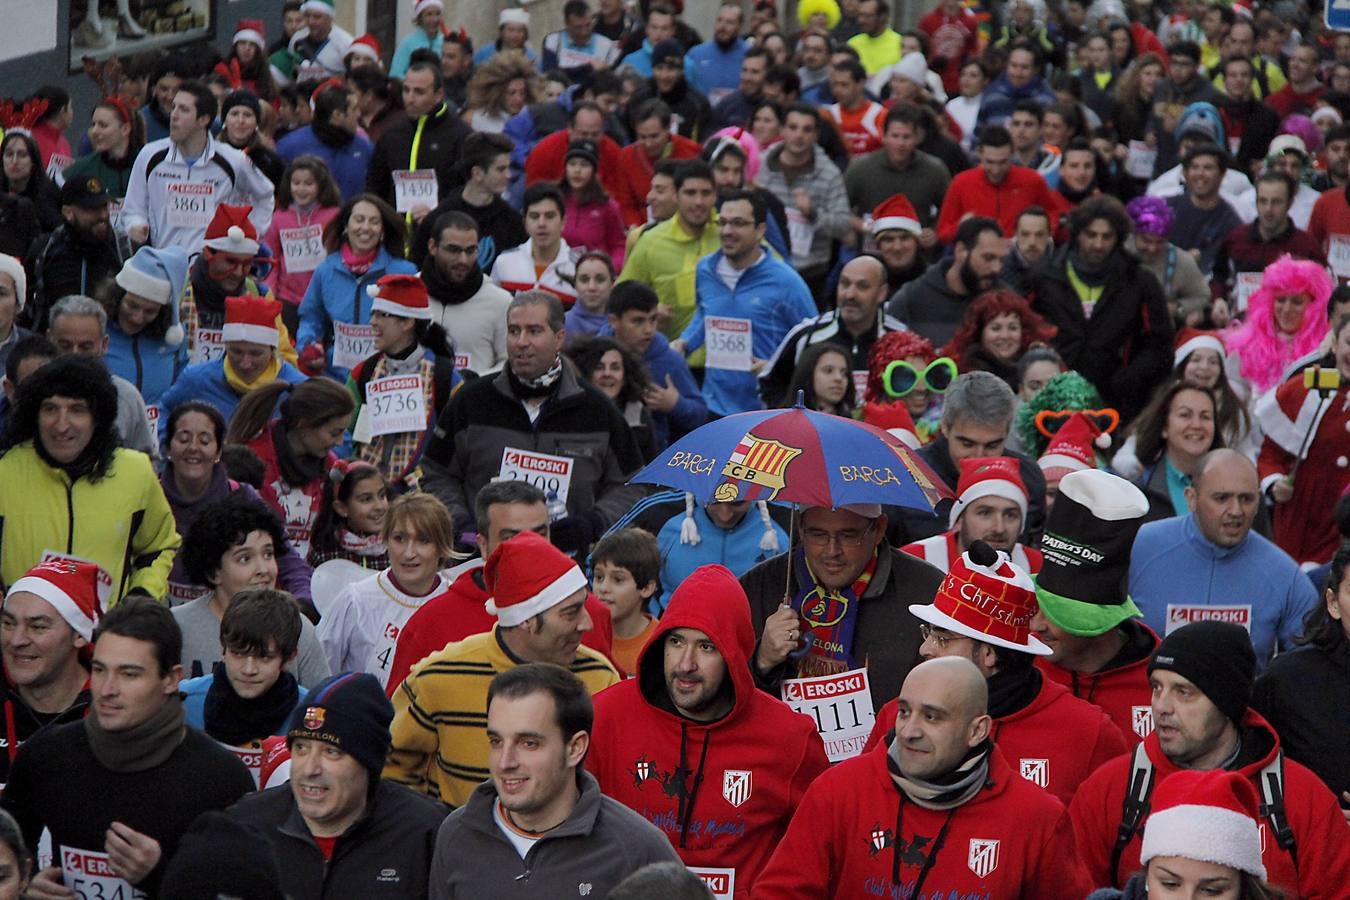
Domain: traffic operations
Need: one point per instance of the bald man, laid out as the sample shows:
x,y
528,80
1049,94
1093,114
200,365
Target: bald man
x,y
937,812
853,325
1212,565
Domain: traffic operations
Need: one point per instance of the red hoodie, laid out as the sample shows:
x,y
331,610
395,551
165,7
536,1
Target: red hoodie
x,y
746,771
459,612
1011,840
1121,691
1322,841
1056,741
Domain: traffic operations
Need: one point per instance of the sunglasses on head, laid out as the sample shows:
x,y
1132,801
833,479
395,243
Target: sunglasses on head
x,y
901,378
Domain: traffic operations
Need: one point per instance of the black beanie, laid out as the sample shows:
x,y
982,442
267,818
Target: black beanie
x,y
350,712
241,98
1216,657
221,856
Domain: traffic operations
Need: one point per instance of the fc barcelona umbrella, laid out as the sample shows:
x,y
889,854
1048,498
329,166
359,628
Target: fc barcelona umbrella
x,y
796,456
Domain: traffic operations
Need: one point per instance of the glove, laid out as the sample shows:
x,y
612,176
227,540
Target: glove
x,y
311,360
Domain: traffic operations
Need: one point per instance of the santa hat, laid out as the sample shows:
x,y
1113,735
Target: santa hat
x,y
1190,339
895,212
73,588
158,275
893,416
986,598
513,16
252,31
231,231
366,45
1208,816
400,295
526,576
1072,449
988,476
319,6
251,318
422,6
11,266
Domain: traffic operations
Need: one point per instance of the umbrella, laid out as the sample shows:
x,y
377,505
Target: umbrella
x,y
797,456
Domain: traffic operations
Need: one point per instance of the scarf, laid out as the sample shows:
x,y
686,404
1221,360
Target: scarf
x,y
265,377
829,618
449,292
1087,274
233,720
295,470
1011,690
140,747
948,791
357,263
206,294
525,389
360,544
330,135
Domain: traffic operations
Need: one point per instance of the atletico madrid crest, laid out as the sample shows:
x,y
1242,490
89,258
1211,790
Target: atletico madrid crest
x,y
736,786
983,856
1141,719
1037,771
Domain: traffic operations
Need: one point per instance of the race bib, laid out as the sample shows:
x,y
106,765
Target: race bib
x,y
800,232
251,757
574,59
722,882
859,386
56,166
1179,614
90,875
105,582
352,344
551,474
415,188
1139,160
207,344
152,416
180,593
190,204
302,248
397,405
461,361
1248,283
1339,255
728,342
840,705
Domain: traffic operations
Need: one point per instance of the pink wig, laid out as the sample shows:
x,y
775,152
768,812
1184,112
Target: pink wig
x,y
748,144
1264,355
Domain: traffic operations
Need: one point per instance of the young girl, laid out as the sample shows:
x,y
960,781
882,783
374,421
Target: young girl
x,y
594,281
307,200
825,378
296,447
591,218
247,65
359,632
407,343
351,521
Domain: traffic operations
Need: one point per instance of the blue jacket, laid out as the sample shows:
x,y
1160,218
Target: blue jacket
x,y
709,68
1000,97
336,295
772,296
416,40
347,163
146,362
691,411
206,381
738,548
194,700
1173,564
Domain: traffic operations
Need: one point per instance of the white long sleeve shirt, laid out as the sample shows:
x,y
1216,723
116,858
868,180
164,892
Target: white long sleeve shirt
x,y
360,629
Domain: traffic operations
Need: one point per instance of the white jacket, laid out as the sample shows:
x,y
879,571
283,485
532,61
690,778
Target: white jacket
x,y
514,270
359,631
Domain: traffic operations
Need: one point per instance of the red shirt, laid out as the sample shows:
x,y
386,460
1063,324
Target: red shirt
x,y
971,192
634,178
1121,692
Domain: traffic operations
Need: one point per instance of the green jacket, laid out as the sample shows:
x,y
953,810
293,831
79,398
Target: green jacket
x,y
666,258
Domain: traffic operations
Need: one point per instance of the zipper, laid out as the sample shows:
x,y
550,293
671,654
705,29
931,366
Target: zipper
x,y
70,517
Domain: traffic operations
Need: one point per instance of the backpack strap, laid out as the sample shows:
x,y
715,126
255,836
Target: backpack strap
x,y
1135,807
1271,783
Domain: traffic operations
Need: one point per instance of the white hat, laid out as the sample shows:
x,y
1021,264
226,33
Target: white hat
x,y
11,266
513,16
423,5
913,67
1209,816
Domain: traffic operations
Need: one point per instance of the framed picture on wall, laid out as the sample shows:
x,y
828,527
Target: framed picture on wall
x,y
104,28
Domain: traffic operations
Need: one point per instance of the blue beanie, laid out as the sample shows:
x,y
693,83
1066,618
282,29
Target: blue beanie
x,y
159,275
350,712
1203,117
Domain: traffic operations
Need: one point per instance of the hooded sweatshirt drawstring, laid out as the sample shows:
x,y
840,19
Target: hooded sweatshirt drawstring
x,y
687,797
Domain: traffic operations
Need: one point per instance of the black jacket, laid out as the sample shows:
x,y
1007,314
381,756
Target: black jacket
x,y
63,263
1260,124
928,306
387,853
442,134
689,107
21,721
1126,348
1313,725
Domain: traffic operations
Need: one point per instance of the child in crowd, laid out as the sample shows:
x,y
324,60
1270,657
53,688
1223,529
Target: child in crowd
x,y
307,200
626,569
351,521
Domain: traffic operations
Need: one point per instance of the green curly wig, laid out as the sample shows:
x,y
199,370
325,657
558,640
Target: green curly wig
x,y
1066,391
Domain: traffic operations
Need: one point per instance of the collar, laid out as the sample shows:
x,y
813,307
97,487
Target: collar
x,y
1191,532
176,152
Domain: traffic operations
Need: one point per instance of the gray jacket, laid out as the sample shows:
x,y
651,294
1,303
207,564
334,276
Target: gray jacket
x,y
598,846
133,423
830,216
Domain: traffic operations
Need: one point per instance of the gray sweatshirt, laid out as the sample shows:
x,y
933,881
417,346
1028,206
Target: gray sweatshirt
x,y
201,644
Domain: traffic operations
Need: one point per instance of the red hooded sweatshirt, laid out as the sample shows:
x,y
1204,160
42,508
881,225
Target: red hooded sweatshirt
x,y
1322,840
1120,690
1056,741
459,612
744,773
1011,840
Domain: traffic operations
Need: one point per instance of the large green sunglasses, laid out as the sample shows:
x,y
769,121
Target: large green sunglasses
x,y
901,378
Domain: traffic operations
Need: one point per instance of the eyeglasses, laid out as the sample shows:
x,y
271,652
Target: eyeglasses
x,y
454,250
852,537
737,223
901,378
929,633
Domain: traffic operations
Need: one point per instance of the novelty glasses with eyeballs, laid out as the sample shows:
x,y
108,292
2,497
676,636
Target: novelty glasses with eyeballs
x,y
900,378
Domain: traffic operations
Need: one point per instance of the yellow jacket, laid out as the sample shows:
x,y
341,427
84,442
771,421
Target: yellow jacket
x,y
666,259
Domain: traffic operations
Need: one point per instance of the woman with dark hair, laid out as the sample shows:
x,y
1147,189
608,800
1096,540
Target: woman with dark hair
x,y
824,375
193,478
241,119
16,862
620,376
1062,123
296,447
591,218
1171,435
145,341
364,243
22,175
595,274
1135,90
378,99
116,134
998,327
50,129
350,525
766,123
246,66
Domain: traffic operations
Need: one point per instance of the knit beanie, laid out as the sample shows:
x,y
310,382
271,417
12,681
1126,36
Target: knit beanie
x,y
220,856
11,266
1208,816
912,67
158,275
243,98
1216,657
350,712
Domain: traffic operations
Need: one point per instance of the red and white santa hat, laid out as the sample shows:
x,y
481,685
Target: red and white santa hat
x,y
366,45
400,295
895,212
1073,448
1207,816
71,587
526,576
1189,339
253,319
422,6
987,598
231,231
251,30
988,476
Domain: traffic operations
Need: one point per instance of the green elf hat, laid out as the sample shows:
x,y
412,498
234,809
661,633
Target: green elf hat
x,y
1081,587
